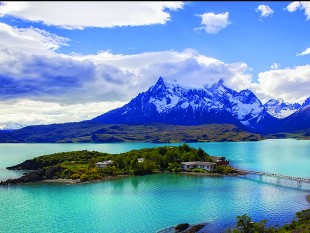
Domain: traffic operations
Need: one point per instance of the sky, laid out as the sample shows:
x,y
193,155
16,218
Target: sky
x,y
72,61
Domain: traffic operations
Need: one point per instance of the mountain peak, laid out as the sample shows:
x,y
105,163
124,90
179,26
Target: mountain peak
x,y
306,103
161,81
221,82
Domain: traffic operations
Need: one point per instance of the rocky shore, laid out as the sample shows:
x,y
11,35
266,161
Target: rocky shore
x,y
39,176
34,176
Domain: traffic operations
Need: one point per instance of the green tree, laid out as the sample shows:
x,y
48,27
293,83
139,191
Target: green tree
x,y
201,154
162,150
184,147
245,224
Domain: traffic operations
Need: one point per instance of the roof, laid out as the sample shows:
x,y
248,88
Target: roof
x,y
104,162
198,163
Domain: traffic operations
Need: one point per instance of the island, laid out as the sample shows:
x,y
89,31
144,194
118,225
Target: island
x,y
88,166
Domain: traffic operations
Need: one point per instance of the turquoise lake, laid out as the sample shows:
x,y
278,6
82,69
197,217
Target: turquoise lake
x,y
153,202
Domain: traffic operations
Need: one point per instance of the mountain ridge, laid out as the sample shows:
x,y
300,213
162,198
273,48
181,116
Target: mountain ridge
x,y
169,112
171,103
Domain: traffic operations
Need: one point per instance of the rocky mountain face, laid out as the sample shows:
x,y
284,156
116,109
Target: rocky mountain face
x,y
281,109
297,121
168,102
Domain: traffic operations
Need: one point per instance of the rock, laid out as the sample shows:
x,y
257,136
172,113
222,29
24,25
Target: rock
x,y
181,227
27,165
195,228
34,176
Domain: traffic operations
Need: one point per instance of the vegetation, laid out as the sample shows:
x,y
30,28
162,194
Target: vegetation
x,y
299,134
99,132
246,225
222,169
81,165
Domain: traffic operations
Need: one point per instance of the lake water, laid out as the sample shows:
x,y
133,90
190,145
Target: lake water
x,y
153,202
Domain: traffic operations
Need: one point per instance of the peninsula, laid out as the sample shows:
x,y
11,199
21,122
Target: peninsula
x,y
85,166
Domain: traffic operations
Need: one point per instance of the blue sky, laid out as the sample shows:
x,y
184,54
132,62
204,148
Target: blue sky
x,y
71,61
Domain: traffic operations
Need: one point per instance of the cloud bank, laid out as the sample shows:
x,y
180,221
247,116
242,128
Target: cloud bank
x,y
79,15
41,86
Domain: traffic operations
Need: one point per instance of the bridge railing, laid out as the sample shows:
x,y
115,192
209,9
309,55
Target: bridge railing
x,y
299,179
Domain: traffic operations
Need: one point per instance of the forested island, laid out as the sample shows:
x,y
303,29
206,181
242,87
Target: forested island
x,y
85,166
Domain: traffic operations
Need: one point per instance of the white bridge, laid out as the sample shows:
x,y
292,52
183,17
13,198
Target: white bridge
x,y
298,179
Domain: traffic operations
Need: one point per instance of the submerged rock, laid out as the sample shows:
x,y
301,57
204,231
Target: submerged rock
x,y
195,228
187,228
181,227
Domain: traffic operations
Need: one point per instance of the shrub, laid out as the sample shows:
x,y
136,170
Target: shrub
x,y
174,167
84,177
223,169
198,170
94,177
75,176
303,215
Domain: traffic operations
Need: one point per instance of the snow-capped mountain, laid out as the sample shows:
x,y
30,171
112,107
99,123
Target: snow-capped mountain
x,y
169,102
11,126
280,109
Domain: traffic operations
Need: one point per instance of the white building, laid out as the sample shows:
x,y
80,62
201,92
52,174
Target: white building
x,y
140,160
103,164
208,166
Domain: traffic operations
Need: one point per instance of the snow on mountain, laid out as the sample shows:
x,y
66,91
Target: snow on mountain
x,y
280,109
11,126
172,103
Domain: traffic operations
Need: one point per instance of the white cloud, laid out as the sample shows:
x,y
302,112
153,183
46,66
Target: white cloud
x,y
32,39
290,84
54,88
264,10
275,66
29,112
78,15
33,74
305,52
294,6
213,23
45,86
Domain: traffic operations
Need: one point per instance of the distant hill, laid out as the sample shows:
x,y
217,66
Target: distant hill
x,y
99,132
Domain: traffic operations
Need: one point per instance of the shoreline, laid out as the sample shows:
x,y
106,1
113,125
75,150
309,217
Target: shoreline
x,y
77,181
65,181
308,198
